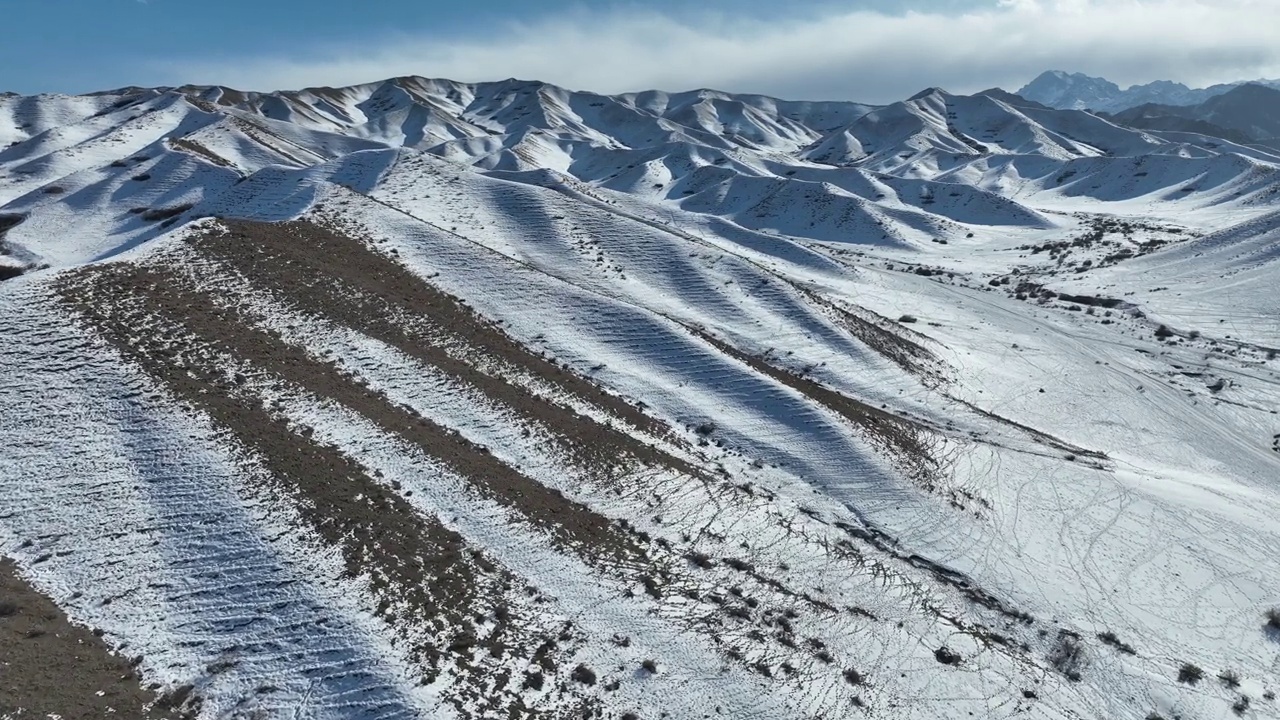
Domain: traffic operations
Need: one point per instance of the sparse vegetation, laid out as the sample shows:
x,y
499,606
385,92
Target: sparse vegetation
x,y
1110,638
584,675
1190,674
1067,655
1273,619
1229,679
947,656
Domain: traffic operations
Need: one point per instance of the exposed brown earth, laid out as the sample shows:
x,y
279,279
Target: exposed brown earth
x,y
874,331
50,667
414,564
904,438
318,271
191,146
157,295
356,286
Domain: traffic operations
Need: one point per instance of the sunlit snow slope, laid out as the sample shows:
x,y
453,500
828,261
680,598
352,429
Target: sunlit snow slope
x,y
431,399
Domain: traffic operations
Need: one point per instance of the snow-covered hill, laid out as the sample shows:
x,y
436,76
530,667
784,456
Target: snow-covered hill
x,y
431,399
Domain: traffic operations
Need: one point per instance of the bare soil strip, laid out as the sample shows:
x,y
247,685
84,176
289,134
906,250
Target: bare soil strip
x,y
191,146
50,667
160,295
1039,436
893,346
420,571
902,437
321,269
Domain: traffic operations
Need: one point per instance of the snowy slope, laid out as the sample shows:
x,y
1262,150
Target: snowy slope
x,y
430,399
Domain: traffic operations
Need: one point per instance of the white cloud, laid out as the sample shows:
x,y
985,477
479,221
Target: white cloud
x,y
863,55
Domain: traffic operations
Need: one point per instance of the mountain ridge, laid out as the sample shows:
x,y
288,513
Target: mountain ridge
x,y
420,398
1078,91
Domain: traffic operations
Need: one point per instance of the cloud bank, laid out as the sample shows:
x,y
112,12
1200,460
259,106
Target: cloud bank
x,y
862,55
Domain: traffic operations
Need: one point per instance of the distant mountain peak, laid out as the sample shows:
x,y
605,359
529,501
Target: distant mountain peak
x,y
927,92
1077,91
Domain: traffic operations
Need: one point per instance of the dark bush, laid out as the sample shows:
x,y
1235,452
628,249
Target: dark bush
x,y
1190,674
853,677
1110,638
946,656
7,609
705,428
1163,332
1273,618
584,675
907,319
533,680
54,190
702,560
1240,705
650,666
142,178
1067,655
1228,678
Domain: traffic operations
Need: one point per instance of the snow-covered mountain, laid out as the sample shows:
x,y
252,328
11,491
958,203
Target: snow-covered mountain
x,y
1077,91
432,399
1248,114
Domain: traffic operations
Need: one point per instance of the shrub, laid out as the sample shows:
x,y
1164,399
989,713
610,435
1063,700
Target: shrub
x,y
7,609
650,666
853,677
584,675
533,680
1190,674
705,429
1164,332
1110,638
1273,618
1240,705
1067,655
946,656
142,178
907,319
54,190
1229,679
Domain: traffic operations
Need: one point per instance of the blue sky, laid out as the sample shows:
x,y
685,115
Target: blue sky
x,y
871,50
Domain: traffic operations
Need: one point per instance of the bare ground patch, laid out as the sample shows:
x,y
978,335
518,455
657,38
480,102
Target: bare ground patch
x,y
903,438
422,573
373,295
195,148
159,295
51,667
